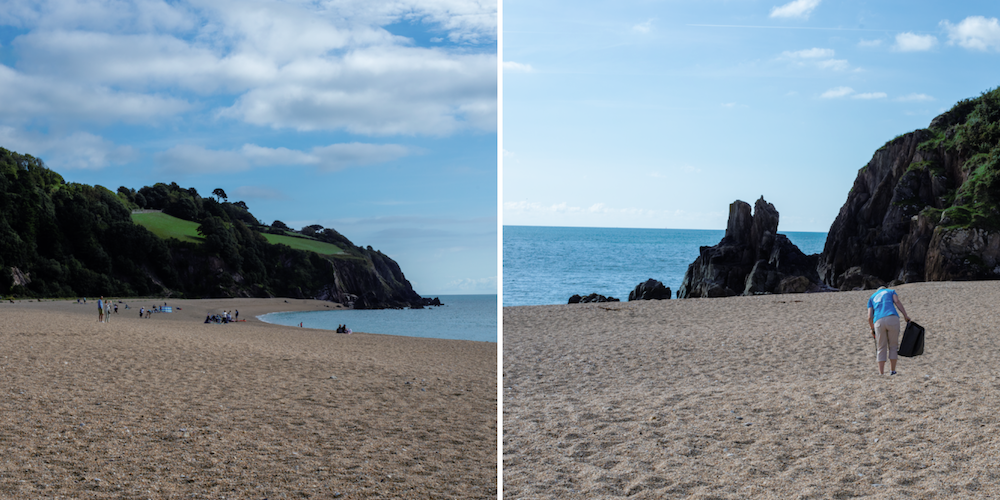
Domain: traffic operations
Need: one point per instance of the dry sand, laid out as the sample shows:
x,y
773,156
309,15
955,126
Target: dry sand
x,y
773,396
171,407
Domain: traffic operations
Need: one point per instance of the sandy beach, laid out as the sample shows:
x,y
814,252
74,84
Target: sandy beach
x,y
774,396
170,407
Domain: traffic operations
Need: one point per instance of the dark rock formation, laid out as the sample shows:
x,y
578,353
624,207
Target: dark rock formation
x,y
594,297
752,258
650,290
926,207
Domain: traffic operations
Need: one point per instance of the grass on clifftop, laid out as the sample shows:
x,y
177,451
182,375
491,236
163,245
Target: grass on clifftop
x,y
167,226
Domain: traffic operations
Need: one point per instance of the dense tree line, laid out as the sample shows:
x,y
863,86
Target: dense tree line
x,y
70,239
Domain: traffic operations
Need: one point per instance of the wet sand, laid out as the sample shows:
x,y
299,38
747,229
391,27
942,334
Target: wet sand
x,y
170,407
773,396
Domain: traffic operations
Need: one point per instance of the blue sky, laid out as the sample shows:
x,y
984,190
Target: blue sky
x,y
661,113
376,119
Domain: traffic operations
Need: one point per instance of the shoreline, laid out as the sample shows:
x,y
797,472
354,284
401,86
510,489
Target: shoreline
x,y
170,406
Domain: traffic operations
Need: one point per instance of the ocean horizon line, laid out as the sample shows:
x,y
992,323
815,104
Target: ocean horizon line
x,y
649,228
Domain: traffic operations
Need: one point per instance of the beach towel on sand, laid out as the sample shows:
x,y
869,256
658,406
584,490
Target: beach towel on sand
x,y
913,340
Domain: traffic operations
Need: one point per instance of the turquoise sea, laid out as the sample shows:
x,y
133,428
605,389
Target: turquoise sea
x,y
462,317
547,265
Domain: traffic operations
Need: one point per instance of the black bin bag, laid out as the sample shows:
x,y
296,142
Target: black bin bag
x,y
913,340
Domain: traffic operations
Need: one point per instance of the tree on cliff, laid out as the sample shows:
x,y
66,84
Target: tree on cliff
x,y
220,194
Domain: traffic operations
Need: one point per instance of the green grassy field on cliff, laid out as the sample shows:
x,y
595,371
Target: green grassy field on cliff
x,y
167,226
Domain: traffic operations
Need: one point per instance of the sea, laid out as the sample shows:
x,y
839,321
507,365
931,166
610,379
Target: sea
x,y
548,265
462,317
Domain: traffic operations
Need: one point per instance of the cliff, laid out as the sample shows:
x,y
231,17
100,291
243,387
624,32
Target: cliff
x,y
60,239
926,207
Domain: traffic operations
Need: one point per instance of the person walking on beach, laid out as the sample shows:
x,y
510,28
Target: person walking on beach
x,y
100,310
884,322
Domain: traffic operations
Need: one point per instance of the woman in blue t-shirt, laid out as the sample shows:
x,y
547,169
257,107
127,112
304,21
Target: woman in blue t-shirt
x,y
884,322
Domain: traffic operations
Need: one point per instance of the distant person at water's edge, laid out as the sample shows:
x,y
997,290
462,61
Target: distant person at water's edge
x,y
884,323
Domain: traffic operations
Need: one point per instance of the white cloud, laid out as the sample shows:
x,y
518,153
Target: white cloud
x,y
300,65
812,53
186,158
910,42
817,57
26,96
643,27
870,95
79,150
394,90
974,32
834,64
837,92
191,158
339,156
869,43
517,67
798,8
914,97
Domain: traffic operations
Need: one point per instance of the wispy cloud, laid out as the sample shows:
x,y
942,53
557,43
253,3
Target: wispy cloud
x,y
910,42
517,67
870,95
915,98
869,43
817,57
79,150
797,9
643,27
812,53
834,64
475,285
837,92
191,158
975,33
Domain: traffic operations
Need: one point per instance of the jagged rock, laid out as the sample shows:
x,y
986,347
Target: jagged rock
x,y
594,297
650,290
751,259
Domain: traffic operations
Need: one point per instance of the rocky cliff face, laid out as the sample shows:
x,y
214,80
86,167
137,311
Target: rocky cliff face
x,y
752,258
925,208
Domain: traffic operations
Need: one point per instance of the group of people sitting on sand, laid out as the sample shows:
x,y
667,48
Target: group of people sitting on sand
x,y
143,312
225,317
343,329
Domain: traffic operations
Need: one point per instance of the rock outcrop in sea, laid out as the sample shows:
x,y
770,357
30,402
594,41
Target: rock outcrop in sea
x,y
752,258
594,297
650,290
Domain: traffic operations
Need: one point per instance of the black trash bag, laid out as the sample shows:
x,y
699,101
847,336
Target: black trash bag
x,y
913,340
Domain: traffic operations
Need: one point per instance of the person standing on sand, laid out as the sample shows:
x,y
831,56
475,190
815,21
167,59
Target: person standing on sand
x,y
884,322
100,310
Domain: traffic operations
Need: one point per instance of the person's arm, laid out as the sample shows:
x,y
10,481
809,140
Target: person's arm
x,y
899,304
871,319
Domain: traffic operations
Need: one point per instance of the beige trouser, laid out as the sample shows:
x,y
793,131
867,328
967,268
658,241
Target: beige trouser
x,y
887,337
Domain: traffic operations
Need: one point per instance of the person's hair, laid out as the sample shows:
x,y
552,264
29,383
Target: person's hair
x,y
883,287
